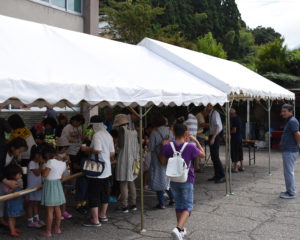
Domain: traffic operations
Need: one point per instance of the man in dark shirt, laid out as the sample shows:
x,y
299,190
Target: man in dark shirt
x,y
236,141
290,142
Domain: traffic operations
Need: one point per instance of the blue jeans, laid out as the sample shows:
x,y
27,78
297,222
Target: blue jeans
x,y
161,199
184,196
289,159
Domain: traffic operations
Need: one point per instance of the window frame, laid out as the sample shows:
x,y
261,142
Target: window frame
x,y
65,9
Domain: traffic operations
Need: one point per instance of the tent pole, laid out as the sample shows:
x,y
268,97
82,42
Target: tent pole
x,y
248,121
229,147
226,150
141,168
269,126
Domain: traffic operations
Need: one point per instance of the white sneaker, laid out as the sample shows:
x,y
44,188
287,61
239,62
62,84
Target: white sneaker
x,y
184,233
176,234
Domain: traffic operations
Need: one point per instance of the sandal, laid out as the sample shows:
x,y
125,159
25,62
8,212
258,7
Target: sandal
x,y
46,235
242,169
14,234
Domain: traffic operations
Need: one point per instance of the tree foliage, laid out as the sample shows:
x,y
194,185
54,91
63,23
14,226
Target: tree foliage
x,y
263,35
213,27
132,20
272,57
209,45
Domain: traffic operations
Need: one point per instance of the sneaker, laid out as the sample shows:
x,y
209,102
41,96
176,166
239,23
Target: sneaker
x,y
133,208
171,203
212,179
91,224
176,235
103,219
286,195
123,209
183,233
34,225
67,215
221,180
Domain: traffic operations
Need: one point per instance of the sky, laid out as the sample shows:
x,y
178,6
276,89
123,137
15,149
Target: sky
x,y
282,15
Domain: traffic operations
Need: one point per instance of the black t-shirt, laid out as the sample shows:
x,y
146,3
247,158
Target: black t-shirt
x,y
236,122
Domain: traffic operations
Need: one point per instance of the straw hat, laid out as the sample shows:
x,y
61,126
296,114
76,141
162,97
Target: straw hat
x,y
62,142
120,119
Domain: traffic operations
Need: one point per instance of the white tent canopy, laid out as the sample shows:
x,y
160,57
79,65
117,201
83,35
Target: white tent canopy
x,y
47,65
230,77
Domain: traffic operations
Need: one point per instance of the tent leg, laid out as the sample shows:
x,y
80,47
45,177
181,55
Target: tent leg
x,y
229,147
269,126
227,152
248,121
141,169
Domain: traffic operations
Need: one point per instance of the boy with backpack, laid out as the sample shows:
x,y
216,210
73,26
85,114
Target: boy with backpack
x,y
182,176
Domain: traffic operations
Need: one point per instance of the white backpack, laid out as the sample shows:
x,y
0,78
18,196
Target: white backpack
x,y
177,169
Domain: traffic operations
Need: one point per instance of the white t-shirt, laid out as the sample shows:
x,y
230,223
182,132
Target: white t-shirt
x,y
30,142
103,141
32,179
75,133
8,159
57,169
214,121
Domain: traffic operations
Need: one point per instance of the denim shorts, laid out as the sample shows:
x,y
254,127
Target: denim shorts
x,y
183,195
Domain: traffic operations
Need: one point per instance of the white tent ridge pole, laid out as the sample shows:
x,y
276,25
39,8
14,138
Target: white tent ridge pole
x,y
141,168
269,126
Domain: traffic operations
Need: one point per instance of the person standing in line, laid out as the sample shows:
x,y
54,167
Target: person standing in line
x,y
159,181
236,141
52,192
183,191
128,153
62,122
290,142
192,124
19,130
108,119
98,187
8,154
74,133
215,130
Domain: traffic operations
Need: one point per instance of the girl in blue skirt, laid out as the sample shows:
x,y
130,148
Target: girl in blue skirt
x,y
52,194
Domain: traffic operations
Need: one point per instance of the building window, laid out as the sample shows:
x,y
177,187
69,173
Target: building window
x,y
67,5
74,5
59,3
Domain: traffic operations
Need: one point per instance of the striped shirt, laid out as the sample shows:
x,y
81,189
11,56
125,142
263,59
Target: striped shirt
x,y
192,125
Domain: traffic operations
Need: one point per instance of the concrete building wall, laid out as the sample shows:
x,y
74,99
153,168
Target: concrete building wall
x,y
36,12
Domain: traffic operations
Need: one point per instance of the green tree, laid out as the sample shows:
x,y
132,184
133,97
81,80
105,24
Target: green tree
x,y
272,57
246,43
293,62
263,35
209,45
132,20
